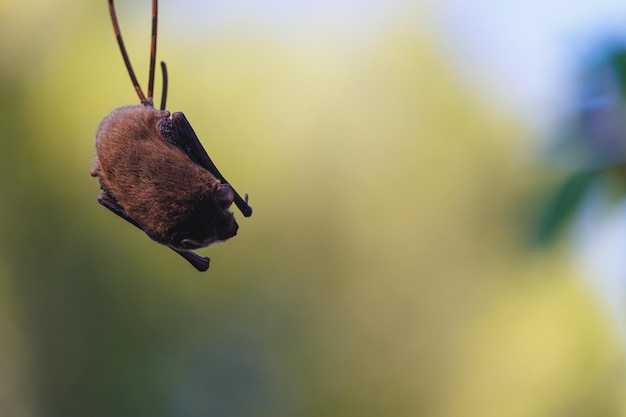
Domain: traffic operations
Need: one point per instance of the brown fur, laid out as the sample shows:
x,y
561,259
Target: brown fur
x,y
155,183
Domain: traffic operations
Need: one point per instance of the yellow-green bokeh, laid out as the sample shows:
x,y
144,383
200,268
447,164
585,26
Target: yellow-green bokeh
x,y
383,273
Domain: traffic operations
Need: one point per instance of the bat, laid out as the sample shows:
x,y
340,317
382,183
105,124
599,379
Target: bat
x,y
154,172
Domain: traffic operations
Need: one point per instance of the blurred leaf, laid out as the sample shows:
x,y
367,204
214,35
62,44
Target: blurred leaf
x,y
566,199
618,61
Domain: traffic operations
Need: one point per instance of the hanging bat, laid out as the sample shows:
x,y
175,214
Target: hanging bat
x,y
155,174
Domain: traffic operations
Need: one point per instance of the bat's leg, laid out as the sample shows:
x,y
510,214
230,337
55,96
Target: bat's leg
x,y
201,263
164,89
195,150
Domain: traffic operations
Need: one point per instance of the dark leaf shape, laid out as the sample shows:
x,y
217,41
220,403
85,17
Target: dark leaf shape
x,y
618,62
564,202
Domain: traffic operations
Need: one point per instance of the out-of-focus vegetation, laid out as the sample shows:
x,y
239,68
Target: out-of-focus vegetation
x,y
384,271
593,143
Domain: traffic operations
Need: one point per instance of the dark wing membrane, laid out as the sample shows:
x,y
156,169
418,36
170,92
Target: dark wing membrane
x,y
189,142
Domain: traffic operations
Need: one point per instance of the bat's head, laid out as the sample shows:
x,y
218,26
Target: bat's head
x,y
208,221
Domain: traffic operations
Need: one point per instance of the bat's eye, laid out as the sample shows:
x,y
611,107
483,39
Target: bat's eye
x,y
224,195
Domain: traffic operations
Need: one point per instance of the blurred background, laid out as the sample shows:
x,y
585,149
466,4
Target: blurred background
x,y
439,219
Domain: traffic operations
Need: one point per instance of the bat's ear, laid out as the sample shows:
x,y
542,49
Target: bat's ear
x,y
224,195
